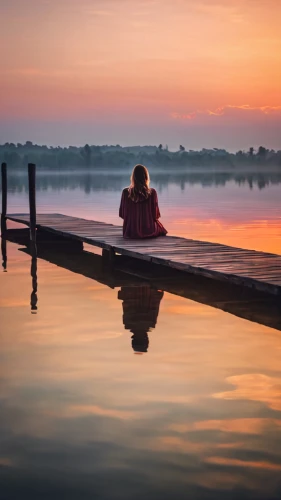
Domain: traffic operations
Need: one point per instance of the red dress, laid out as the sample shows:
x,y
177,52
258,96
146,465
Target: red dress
x,y
141,216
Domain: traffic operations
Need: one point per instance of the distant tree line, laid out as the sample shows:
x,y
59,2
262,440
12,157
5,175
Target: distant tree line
x,y
18,155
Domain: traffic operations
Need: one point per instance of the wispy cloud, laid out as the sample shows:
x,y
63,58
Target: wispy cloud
x,y
100,13
234,462
231,12
141,24
236,425
254,387
36,73
223,110
83,410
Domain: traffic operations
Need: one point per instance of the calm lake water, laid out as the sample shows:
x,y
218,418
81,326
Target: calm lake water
x,y
237,208
131,392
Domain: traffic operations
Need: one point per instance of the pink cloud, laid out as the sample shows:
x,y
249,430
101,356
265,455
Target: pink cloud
x,y
224,110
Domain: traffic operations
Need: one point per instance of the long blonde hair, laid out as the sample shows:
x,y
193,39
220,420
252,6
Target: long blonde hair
x,y
139,186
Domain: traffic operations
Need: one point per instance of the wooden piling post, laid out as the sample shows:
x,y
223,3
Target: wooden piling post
x,y
32,202
4,198
108,259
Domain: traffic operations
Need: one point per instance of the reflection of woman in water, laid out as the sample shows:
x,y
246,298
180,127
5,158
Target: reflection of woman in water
x,y
140,312
139,207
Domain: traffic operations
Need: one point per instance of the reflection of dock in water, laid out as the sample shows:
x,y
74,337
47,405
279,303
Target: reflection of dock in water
x,y
243,302
140,312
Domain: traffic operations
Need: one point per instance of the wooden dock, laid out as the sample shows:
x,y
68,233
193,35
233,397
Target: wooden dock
x,y
250,268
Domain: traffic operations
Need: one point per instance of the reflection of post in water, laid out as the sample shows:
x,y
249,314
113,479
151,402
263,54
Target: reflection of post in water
x,y
3,215
4,252
140,312
33,272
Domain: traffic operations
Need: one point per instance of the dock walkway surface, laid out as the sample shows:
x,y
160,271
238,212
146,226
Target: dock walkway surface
x,y
250,268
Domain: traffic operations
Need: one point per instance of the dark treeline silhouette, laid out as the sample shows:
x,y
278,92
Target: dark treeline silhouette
x,y
96,181
18,155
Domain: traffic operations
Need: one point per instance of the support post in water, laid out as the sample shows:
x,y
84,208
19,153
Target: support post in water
x,y
4,198
108,258
32,203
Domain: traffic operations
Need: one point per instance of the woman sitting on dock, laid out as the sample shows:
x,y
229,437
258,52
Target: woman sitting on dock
x,y
139,207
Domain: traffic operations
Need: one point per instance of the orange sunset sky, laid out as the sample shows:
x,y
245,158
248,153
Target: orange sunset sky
x,y
203,73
